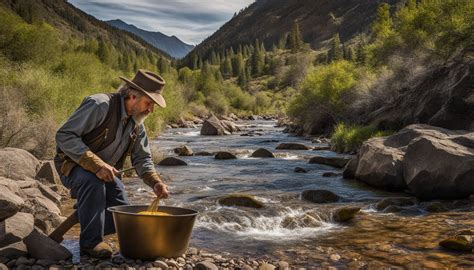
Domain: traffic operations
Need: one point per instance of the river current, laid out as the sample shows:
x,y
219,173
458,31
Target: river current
x,y
289,228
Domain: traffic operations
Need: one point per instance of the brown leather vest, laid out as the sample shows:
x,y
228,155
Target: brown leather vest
x,y
99,138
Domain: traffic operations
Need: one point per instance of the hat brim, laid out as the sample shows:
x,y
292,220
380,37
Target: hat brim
x,y
157,98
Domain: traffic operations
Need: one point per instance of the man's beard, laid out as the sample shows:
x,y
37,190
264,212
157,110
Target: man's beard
x,y
139,118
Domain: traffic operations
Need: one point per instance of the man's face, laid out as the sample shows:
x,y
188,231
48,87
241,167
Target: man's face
x,y
141,107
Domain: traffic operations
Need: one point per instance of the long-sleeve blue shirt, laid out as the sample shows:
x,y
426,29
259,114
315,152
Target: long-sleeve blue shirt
x,y
89,116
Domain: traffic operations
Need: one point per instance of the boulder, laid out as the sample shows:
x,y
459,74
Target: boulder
x,y
262,153
49,194
446,169
172,161
48,173
14,250
40,246
213,126
224,155
36,195
17,164
395,201
351,168
241,200
345,214
380,166
230,126
300,170
432,162
12,185
203,153
10,203
292,146
184,151
15,228
459,242
338,162
320,196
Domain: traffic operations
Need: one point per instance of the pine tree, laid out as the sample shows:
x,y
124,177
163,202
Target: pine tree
x,y
103,52
214,58
258,60
237,64
295,42
335,52
242,79
383,25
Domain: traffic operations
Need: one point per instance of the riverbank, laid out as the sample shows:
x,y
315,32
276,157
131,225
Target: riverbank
x,y
391,229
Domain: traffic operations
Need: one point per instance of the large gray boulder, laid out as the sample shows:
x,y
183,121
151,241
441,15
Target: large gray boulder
x,y
241,200
380,166
172,161
15,228
17,164
10,203
436,168
214,126
262,153
225,155
292,146
14,250
40,246
432,162
47,172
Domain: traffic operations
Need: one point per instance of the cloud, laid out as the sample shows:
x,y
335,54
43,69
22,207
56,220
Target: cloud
x,y
190,20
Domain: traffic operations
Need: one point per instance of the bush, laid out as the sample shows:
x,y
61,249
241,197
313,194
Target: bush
x,y
323,91
349,138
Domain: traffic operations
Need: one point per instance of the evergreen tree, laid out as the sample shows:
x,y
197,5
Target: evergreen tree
x,y
237,64
383,25
103,52
214,58
194,61
335,52
294,41
257,60
242,79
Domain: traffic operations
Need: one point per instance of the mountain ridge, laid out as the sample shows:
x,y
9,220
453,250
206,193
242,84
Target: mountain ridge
x,y
170,44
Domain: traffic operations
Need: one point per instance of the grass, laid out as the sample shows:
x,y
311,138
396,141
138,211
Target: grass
x,y
349,138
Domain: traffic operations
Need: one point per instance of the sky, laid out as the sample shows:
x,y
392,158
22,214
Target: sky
x,y
190,20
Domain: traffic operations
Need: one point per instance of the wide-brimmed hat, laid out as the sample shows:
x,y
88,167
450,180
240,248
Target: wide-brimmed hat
x,y
149,83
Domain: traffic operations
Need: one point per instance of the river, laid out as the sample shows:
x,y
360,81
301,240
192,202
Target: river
x,y
288,228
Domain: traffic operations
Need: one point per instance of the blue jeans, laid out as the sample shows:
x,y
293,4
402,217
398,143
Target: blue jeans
x,y
93,197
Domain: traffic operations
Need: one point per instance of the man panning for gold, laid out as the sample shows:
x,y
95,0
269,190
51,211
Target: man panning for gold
x,y
92,146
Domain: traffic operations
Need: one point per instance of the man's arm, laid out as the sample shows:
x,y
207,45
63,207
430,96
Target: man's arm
x,y
143,163
88,116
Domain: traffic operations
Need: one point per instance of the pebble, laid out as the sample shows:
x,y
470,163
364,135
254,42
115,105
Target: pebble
x,y
3,267
206,265
335,257
25,261
283,265
246,267
37,267
118,259
193,251
160,264
45,262
266,266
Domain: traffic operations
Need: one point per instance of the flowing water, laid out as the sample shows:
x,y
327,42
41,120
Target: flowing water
x,y
289,228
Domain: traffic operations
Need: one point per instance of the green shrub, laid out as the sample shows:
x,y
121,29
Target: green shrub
x,y
349,138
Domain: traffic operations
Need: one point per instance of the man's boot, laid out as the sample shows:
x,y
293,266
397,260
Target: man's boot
x,y
100,251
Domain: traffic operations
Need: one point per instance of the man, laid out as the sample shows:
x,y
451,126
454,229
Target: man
x,y
92,146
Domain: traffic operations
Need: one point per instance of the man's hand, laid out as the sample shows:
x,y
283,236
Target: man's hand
x,y
161,190
107,173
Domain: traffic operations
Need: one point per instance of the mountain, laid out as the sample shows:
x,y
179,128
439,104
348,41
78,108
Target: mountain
x,y
318,21
172,45
73,22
